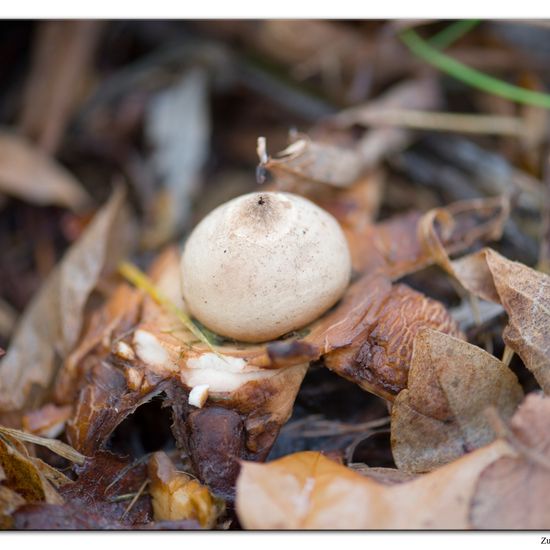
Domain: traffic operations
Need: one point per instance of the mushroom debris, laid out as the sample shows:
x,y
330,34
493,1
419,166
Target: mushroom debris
x,y
230,399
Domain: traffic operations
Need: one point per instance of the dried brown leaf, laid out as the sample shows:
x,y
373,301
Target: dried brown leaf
x,y
23,476
62,56
440,416
9,502
511,492
177,496
305,160
48,421
51,324
29,174
525,295
308,491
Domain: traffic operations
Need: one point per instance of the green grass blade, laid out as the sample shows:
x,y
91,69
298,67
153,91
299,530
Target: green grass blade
x,y
472,77
453,32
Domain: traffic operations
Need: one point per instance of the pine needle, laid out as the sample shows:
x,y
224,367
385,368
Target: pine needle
x,y
140,280
472,77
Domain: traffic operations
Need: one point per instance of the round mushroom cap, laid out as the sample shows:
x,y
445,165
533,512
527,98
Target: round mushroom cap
x,y
263,265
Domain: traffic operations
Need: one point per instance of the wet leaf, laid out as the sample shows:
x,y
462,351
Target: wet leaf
x,y
177,496
511,492
52,322
29,174
440,416
308,491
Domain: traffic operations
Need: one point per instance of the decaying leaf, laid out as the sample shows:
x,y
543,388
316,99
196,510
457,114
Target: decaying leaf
x,y
9,502
308,491
54,445
178,126
440,416
305,160
48,421
29,174
51,324
523,292
101,481
511,492
23,476
379,358
398,246
525,295
61,64
177,496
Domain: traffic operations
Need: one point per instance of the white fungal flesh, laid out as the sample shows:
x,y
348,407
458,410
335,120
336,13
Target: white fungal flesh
x,y
198,395
221,373
124,351
150,350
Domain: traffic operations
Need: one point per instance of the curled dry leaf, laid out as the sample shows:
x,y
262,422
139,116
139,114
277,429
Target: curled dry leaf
x,y
29,174
525,295
177,496
398,246
523,292
52,322
308,491
23,475
440,416
305,160
511,491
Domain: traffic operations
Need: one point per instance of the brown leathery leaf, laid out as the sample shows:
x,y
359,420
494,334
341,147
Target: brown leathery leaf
x,y
51,324
177,496
440,416
308,491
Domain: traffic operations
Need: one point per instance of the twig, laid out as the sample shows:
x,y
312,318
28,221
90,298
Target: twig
x,y
54,445
135,499
507,355
442,121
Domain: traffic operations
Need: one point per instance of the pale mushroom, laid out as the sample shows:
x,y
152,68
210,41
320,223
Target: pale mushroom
x,y
263,265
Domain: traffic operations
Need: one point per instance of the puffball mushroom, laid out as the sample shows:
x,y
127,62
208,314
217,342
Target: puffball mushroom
x,y
264,264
